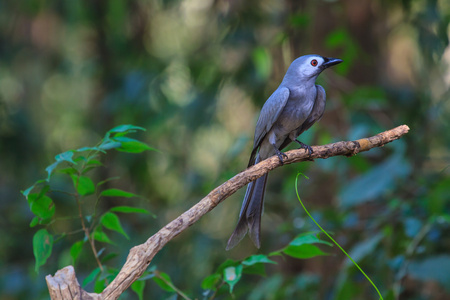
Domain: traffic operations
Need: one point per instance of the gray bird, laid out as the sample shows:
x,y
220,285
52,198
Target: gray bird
x,y
294,107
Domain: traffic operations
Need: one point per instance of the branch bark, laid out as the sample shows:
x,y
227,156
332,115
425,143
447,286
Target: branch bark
x,y
140,256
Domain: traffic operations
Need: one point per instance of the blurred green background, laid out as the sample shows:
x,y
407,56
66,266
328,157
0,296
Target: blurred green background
x,y
195,74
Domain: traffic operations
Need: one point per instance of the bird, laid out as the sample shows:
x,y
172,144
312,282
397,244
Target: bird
x,y
293,108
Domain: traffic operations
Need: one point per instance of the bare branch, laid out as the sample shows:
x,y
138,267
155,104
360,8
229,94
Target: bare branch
x,y
140,256
64,285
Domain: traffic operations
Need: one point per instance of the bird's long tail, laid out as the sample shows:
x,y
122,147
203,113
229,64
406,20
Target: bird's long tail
x,y
250,215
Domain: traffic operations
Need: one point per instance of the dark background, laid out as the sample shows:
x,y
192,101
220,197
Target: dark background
x,y
195,74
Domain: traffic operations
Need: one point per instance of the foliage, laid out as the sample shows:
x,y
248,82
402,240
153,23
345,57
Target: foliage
x,y
77,165
230,272
195,75
336,243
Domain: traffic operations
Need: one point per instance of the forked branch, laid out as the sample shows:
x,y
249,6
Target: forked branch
x,y
140,256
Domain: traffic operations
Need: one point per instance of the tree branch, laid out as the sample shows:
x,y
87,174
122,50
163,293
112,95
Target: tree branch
x,y
140,256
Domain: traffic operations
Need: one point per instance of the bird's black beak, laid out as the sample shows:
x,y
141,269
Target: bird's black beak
x,y
330,61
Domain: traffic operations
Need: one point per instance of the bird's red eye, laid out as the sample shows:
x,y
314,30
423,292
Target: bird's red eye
x,y
314,63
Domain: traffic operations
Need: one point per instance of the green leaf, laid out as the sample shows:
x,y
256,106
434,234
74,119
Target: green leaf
x,y
349,290
445,218
42,206
42,247
88,169
124,128
91,277
129,209
65,156
28,190
308,239
303,251
226,264
162,283
107,180
276,253
138,287
117,193
45,221
389,295
432,268
108,256
232,275
34,222
107,145
375,183
94,162
254,259
83,185
111,275
100,236
62,157
255,264
364,248
69,171
99,286
131,145
149,274
75,250
342,39
81,158
83,149
51,168
44,190
210,282
256,269
111,221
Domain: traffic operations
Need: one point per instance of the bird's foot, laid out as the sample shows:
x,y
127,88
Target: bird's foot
x,y
306,147
280,155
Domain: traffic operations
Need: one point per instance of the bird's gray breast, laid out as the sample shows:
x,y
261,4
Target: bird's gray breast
x,y
296,111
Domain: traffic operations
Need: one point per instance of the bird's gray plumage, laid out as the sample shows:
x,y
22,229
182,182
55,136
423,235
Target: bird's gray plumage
x,y
293,108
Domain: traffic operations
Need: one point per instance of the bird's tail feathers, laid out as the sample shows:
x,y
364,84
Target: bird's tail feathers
x,y
255,210
250,215
238,234
241,228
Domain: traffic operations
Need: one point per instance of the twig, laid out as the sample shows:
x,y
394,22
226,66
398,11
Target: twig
x,y
140,256
85,229
217,290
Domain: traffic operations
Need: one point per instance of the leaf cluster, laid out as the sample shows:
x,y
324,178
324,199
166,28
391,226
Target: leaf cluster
x,y
77,165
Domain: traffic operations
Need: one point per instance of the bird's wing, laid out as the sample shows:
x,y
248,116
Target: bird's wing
x,y
268,116
315,115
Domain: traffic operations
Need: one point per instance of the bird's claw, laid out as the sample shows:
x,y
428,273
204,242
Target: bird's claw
x,y
280,156
306,147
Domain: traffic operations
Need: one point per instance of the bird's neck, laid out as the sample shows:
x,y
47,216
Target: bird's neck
x,y
295,82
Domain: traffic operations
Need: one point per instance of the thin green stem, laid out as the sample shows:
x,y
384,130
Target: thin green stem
x,y
326,233
178,291
97,202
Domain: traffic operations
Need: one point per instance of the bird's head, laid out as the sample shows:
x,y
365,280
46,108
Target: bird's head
x,y
310,66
